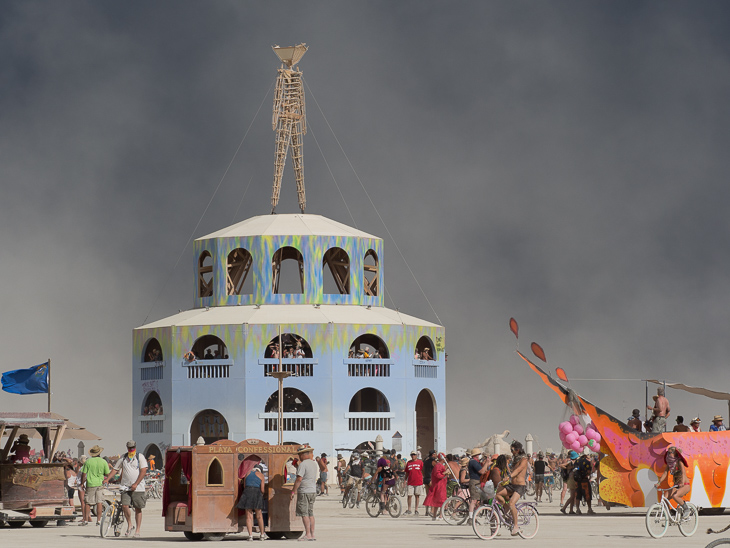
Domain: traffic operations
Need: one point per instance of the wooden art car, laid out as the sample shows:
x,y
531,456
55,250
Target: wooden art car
x,y
203,485
31,491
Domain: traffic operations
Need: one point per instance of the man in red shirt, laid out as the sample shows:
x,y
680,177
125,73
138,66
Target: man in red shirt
x,y
414,480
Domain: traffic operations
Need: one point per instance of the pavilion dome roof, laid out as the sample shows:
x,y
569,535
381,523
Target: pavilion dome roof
x,y
298,224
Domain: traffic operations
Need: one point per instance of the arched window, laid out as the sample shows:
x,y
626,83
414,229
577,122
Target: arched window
x,y
152,404
369,400
205,275
370,274
210,425
294,347
369,346
215,473
337,262
210,347
295,401
238,268
288,271
152,351
369,410
425,350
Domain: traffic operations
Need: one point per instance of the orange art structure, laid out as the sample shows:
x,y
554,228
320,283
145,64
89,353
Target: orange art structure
x,y
634,460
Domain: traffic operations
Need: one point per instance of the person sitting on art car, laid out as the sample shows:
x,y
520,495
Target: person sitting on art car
x,y
21,450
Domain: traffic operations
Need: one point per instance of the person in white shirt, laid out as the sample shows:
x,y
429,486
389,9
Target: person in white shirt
x,y
133,467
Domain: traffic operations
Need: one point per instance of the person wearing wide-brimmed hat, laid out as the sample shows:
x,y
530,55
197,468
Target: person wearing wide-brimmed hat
x,y
475,470
694,425
305,488
677,466
717,425
93,472
21,449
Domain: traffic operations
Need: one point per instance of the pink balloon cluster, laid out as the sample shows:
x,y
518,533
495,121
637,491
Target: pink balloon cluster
x,y
575,437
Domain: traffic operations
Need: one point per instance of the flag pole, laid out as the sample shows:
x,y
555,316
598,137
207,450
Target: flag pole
x,y
49,385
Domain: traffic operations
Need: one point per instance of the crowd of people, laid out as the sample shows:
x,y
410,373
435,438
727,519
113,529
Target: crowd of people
x,y
657,422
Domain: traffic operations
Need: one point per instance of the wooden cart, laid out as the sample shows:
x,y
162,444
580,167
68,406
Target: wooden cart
x,y
34,492
203,485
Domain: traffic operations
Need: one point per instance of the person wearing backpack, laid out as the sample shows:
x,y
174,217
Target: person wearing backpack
x,y
582,475
133,468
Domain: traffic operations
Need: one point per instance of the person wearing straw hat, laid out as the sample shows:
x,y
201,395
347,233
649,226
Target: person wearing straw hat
x,y
305,488
93,472
717,425
475,470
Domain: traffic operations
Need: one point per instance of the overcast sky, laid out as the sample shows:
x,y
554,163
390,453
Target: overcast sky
x,y
564,163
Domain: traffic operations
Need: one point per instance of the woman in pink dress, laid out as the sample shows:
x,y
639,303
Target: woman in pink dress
x,y
437,493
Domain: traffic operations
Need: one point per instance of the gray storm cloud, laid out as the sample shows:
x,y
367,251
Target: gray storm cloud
x,y
562,163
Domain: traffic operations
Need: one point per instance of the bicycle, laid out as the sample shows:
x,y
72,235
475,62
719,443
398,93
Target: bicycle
x,y
401,485
352,492
112,519
455,509
488,519
547,485
660,515
393,504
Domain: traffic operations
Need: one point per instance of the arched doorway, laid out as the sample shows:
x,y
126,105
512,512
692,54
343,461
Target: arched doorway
x,y
152,450
209,424
425,418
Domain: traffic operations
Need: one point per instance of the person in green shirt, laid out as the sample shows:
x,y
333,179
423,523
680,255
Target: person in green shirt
x,y
94,471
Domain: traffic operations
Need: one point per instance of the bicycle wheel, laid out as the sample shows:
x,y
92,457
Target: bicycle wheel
x,y
107,521
486,522
719,542
528,522
657,520
402,487
394,506
558,482
455,510
354,493
549,491
372,507
530,488
690,520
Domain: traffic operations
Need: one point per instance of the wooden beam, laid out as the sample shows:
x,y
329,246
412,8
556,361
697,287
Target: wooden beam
x,y
9,444
56,441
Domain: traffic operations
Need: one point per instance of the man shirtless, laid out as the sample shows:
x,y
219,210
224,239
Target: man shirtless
x,y
517,485
661,411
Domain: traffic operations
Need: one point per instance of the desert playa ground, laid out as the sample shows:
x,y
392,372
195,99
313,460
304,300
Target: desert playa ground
x,y
337,527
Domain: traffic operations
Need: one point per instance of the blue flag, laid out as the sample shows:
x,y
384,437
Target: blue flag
x,y
27,381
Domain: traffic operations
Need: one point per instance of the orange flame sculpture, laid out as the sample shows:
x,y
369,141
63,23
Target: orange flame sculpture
x,y
634,461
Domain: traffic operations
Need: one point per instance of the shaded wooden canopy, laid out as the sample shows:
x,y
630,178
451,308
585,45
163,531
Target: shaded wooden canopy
x,y
13,424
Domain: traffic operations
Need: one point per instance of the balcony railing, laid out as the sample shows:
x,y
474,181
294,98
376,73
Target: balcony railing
x,y
367,367
292,422
152,425
208,369
425,369
151,371
377,422
298,367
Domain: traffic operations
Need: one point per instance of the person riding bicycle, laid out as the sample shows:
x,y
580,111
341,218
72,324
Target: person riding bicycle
x,y
386,478
354,474
677,466
517,483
